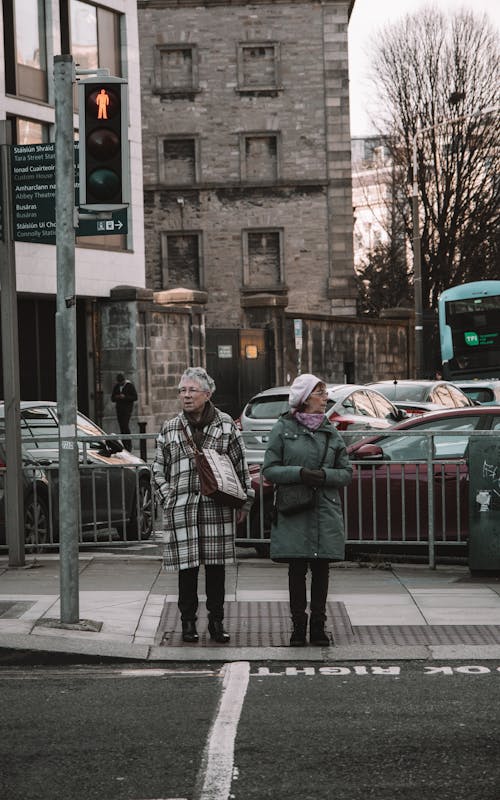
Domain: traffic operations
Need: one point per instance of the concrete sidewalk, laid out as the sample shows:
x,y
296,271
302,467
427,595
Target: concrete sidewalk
x,y
128,610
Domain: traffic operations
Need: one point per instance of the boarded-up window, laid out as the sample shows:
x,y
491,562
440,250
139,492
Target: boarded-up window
x,y
258,65
176,69
181,260
178,161
263,259
260,158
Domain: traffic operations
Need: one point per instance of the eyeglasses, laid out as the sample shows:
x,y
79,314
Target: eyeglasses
x,y
189,390
319,393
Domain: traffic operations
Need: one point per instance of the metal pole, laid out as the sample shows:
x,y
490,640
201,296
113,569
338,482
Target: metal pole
x,y
14,510
69,478
417,268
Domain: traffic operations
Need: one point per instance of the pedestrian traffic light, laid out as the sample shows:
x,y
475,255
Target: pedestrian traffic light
x,y
103,146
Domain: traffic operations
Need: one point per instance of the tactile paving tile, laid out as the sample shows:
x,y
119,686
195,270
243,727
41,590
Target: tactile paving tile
x,y
427,634
268,624
252,624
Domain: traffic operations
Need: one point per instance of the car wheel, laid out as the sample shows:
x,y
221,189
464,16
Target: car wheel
x,y
141,522
36,523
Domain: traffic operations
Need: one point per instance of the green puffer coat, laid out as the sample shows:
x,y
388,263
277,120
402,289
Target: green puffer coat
x,y
316,532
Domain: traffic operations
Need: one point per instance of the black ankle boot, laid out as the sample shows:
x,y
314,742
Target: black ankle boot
x,y
317,633
217,632
189,632
298,637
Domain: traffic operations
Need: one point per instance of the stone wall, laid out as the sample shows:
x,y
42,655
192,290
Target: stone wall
x,y
153,339
350,350
152,344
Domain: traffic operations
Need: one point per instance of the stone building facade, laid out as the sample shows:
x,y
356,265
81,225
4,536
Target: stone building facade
x,y
247,174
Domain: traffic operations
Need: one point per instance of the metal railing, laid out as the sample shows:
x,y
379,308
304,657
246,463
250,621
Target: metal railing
x,y
116,498
394,503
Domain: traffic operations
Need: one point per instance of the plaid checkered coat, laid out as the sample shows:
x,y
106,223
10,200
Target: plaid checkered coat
x,y
198,530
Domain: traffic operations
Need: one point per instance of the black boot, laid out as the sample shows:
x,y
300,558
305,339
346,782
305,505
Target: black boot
x,y
317,633
189,632
298,637
217,632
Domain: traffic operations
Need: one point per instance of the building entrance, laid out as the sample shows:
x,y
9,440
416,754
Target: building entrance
x,y
240,362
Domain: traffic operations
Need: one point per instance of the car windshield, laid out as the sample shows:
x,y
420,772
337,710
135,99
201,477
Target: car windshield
x,y
404,447
267,407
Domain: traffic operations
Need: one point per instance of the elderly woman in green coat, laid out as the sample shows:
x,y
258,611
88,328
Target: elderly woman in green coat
x,y
306,450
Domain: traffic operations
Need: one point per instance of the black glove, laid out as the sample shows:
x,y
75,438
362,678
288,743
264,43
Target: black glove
x,y
312,477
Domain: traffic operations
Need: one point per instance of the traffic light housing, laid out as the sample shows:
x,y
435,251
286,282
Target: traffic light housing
x,y
103,147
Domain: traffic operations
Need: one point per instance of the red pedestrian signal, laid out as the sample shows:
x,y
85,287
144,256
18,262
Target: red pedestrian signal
x,y
103,146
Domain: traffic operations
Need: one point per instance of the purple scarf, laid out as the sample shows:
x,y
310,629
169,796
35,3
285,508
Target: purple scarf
x,y
311,421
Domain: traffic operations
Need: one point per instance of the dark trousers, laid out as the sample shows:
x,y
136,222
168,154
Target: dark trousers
x,y
214,587
123,417
297,571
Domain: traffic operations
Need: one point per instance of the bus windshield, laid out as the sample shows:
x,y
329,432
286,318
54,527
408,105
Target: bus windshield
x,y
469,323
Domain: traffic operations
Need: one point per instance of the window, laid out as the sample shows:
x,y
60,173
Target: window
x,y
83,32
259,160
258,66
383,408
263,260
25,48
181,260
29,131
176,70
91,34
412,448
178,161
361,404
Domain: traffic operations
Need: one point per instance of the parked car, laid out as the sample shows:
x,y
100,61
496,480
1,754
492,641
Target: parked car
x,y
420,397
115,485
481,391
351,408
387,500
35,488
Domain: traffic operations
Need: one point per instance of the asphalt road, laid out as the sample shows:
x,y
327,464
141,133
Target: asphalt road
x,y
346,731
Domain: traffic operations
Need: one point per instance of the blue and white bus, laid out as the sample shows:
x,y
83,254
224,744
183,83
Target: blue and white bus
x,y
469,330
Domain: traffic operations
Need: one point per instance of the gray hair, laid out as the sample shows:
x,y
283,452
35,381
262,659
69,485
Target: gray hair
x,y
201,376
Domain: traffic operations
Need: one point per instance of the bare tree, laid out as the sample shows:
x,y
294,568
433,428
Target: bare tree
x,y
437,77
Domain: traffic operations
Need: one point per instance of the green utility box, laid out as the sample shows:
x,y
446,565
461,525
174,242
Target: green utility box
x,y
484,503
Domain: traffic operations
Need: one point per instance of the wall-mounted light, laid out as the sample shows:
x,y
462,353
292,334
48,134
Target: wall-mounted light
x,y
251,351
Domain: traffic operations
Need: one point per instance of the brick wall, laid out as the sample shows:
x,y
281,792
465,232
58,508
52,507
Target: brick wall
x,y
309,114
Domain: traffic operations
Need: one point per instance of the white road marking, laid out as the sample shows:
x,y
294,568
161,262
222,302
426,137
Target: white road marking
x,y
216,771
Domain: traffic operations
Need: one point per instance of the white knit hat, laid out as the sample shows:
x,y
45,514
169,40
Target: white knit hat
x,y
301,388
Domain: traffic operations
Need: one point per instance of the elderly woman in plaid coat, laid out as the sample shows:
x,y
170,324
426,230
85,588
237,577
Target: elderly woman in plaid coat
x,y
199,531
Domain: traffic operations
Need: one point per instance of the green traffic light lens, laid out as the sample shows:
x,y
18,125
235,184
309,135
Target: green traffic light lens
x,y
103,144
104,185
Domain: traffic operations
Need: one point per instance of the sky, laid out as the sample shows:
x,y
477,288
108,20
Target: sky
x,y
370,15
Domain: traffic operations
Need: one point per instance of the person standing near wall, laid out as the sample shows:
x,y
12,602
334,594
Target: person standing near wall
x,y
124,395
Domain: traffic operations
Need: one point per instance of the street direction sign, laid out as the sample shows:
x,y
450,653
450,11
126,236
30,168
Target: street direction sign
x,y
33,175
33,169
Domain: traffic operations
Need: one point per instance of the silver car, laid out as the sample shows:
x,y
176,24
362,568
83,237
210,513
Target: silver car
x,y
352,408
